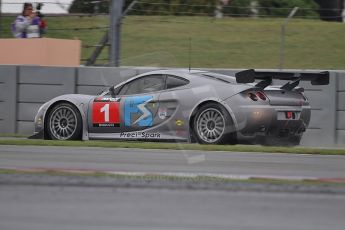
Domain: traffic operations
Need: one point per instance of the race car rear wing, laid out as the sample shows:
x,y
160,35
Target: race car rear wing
x,y
250,75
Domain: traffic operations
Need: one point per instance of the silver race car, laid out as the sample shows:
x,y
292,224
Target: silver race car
x,y
184,105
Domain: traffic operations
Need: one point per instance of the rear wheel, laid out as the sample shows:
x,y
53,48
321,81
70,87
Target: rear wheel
x,y
64,122
212,125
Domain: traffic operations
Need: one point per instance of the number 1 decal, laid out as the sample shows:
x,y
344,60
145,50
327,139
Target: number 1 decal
x,y
105,114
105,109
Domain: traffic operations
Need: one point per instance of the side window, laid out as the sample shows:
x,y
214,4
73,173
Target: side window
x,y
132,87
153,83
173,82
145,84
123,90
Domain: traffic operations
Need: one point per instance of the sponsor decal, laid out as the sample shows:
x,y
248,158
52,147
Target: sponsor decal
x,y
162,113
179,122
106,114
140,135
107,99
136,113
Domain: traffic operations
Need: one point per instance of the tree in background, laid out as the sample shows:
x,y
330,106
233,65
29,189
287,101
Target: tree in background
x,y
157,7
233,8
270,8
308,8
89,6
173,7
331,10
237,8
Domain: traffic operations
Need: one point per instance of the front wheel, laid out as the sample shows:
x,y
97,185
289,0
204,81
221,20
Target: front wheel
x,y
64,122
213,124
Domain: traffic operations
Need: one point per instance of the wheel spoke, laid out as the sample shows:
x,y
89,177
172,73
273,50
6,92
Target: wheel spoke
x,y
62,133
210,114
220,122
68,114
59,114
70,129
61,136
217,132
207,134
65,133
58,131
207,115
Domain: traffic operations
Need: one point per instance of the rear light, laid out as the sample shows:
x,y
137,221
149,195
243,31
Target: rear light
x,y
252,96
261,95
288,115
255,96
291,115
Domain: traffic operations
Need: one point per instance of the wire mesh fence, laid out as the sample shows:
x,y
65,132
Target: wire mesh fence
x,y
158,34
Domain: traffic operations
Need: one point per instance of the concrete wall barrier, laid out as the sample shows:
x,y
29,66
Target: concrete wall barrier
x,y
8,98
340,108
35,86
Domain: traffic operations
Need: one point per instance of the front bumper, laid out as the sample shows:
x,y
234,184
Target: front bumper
x,y
37,135
39,123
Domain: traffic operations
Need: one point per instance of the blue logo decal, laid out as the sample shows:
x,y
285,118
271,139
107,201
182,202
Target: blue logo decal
x,y
136,107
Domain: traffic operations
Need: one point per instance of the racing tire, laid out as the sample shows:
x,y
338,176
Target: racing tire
x,y
64,122
213,125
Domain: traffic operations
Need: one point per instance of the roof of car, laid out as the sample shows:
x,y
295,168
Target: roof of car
x,y
186,73
174,71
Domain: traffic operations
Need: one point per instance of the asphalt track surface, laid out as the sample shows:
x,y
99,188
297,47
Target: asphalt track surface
x,y
87,208
173,161
84,205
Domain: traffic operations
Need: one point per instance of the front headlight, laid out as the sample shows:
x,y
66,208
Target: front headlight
x,y
39,120
39,115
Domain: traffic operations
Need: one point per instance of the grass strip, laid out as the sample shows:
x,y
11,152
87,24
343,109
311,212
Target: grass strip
x,y
224,43
175,146
170,178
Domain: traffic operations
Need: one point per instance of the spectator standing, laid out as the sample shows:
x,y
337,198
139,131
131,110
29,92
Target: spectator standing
x,y
27,25
43,24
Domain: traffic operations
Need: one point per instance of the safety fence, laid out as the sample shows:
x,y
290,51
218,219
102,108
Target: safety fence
x,y
89,22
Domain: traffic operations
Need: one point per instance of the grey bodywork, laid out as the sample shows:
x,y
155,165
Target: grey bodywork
x,y
173,110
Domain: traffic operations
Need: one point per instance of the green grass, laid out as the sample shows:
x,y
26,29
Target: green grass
x,y
163,41
174,146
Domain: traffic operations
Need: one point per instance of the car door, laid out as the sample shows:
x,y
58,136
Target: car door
x,y
134,108
172,106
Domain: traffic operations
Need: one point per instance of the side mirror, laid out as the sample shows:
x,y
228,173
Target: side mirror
x,y
112,91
